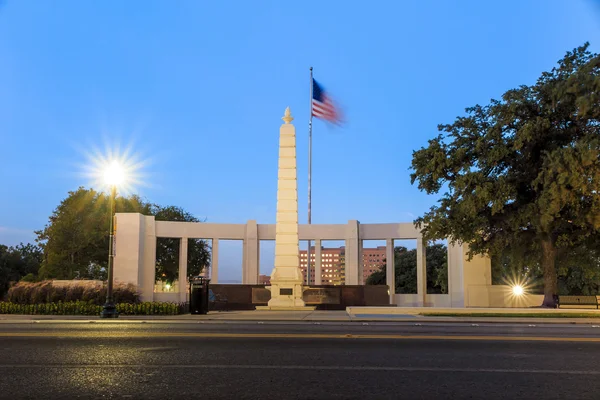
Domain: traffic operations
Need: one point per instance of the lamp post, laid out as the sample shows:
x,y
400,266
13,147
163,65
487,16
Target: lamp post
x,y
113,176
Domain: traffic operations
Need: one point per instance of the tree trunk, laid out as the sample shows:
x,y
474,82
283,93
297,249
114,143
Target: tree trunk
x,y
549,268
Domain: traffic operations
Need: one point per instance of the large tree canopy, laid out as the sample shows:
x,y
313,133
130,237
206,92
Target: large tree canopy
x,y
75,241
521,175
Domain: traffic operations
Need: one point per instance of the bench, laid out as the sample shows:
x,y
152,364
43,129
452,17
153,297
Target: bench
x,y
577,301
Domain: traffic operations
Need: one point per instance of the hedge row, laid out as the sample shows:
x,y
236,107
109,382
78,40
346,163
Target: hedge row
x,y
87,308
45,292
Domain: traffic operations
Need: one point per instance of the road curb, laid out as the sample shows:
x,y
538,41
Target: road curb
x,y
350,320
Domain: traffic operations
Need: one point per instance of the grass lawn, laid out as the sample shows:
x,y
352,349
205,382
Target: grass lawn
x,y
557,314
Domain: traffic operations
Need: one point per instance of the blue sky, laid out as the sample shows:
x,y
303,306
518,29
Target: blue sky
x,y
197,89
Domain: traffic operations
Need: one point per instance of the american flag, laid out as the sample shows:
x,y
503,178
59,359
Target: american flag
x,y
322,106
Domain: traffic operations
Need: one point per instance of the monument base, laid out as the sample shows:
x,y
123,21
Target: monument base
x,y
286,294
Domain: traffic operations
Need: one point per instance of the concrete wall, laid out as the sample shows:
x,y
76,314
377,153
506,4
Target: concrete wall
x,y
498,296
469,281
431,300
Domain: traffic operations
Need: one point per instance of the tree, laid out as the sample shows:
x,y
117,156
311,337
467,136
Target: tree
x,y
521,174
16,262
167,249
75,241
578,272
405,264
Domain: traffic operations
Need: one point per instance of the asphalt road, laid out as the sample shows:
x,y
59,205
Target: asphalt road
x,y
298,361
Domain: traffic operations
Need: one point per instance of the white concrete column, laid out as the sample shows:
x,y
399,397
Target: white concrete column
x,y
214,262
455,275
183,267
135,252
390,269
251,254
421,272
129,248
352,253
318,270
148,273
361,262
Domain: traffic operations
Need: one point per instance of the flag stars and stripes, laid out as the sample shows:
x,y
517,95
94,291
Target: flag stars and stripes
x,y
322,106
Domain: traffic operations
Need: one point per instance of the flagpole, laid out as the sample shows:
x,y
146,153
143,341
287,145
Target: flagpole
x,y
310,175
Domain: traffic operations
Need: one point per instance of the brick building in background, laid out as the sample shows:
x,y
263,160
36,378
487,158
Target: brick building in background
x,y
372,259
333,264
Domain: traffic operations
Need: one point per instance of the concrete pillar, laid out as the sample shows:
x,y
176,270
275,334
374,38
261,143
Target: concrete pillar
x,y
147,272
129,248
183,267
361,262
390,269
286,279
318,270
214,262
352,253
455,275
421,272
251,262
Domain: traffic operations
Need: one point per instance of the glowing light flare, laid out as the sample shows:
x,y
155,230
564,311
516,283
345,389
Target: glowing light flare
x,y
518,290
519,286
111,167
114,174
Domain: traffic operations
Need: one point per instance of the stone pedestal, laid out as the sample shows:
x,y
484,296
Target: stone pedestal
x,y
286,279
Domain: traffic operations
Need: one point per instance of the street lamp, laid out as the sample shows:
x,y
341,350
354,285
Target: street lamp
x,y
114,175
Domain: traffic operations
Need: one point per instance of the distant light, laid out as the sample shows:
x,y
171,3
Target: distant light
x,y
518,290
167,286
114,174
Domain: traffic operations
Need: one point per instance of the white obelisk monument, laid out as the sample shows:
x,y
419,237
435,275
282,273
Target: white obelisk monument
x,y
286,279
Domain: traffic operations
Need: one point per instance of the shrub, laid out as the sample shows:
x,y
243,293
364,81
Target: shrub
x,y
85,308
46,292
29,278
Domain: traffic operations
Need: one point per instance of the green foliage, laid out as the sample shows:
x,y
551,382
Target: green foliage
x,y
405,264
167,261
46,292
521,175
16,262
75,241
88,308
30,277
578,272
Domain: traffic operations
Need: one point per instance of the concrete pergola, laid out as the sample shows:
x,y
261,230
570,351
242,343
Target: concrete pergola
x,y
135,260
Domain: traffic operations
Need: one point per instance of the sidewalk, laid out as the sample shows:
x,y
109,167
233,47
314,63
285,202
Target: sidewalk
x,y
351,315
216,316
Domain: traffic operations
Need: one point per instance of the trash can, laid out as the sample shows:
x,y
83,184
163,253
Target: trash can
x,y
199,295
